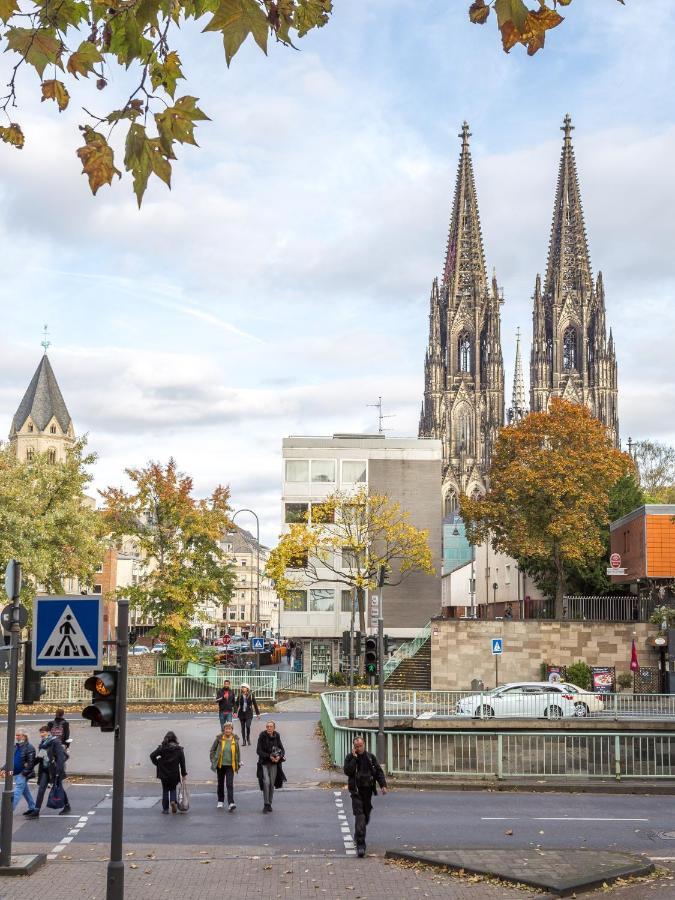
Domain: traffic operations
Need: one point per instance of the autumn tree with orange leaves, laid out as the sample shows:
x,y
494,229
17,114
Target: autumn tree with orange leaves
x,y
178,537
550,484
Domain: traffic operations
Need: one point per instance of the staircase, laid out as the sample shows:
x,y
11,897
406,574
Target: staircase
x,y
413,671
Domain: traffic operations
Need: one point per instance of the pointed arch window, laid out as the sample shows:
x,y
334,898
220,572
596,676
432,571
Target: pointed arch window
x,y
464,352
570,349
30,454
51,456
450,503
465,432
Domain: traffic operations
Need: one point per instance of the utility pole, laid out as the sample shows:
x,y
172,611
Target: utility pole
x,y
351,657
381,745
115,882
380,416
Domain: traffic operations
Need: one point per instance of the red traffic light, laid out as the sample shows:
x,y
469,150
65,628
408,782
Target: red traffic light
x,y
102,712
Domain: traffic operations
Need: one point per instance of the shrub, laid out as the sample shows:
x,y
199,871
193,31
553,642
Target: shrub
x,y
579,673
625,680
337,679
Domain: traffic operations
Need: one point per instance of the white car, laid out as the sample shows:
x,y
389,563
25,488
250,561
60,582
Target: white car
x,y
138,650
585,702
159,648
525,699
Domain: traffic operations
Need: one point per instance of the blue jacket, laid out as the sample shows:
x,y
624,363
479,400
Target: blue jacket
x,y
24,759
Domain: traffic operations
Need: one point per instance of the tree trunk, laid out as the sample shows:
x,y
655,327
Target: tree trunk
x,y
360,594
559,608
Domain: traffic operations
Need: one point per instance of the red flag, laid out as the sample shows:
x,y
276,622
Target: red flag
x,y
634,665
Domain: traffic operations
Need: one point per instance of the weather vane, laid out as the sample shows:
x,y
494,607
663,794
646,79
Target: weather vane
x,y
46,343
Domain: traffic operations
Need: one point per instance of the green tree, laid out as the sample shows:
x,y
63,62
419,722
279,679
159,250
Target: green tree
x,y
45,520
517,23
183,564
550,484
656,470
73,39
349,538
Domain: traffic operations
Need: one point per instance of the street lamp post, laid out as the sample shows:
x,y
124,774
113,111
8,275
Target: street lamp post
x,y
257,574
494,599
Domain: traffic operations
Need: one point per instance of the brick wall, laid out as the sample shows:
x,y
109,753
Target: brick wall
x,y
460,649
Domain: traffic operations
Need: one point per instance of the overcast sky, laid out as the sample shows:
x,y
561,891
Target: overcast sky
x,y
283,284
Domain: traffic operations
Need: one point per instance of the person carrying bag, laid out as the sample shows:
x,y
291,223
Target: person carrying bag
x,y
169,758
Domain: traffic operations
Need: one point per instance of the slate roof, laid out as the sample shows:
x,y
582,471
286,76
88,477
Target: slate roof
x,y
42,401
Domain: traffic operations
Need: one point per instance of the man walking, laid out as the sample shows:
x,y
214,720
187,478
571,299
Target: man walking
x,y
225,699
364,773
24,763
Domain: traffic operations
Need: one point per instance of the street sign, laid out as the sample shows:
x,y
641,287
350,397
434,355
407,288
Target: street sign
x,y
497,646
615,561
12,579
257,644
374,610
226,639
616,571
6,617
68,632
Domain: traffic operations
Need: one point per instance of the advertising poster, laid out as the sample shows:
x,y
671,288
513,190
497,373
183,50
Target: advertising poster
x,y
603,679
556,674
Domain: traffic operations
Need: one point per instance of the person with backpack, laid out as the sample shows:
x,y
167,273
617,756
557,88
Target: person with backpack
x,y
52,770
271,754
225,762
246,704
169,758
364,773
60,728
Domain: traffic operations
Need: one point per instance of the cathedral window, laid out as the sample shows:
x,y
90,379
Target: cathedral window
x,y
464,433
51,456
30,428
52,429
450,503
464,352
570,349
30,454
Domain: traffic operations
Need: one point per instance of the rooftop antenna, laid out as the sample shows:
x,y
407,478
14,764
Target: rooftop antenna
x,y
380,415
45,342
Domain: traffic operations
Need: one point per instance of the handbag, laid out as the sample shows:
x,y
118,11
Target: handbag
x,y
57,796
183,796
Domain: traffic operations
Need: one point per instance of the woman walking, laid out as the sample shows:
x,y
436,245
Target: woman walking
x,y
226,762
271,754
51,760
169,758
246,703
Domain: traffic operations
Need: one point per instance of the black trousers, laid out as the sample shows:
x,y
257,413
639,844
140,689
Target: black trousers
x,y
42,784
225,776
246,728
362,806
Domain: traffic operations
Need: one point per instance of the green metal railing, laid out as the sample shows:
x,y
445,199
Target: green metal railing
x,y
405,651
498,754
284,680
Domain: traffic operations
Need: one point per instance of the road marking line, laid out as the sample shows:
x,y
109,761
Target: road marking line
x,y
66,840
556,819
58,848
662,858
51,856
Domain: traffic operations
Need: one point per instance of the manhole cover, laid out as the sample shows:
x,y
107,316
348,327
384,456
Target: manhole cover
x,y
666,835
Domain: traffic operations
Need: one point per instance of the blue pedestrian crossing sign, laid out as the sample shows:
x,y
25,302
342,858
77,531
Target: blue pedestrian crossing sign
x,y
257,643
67,632
497,646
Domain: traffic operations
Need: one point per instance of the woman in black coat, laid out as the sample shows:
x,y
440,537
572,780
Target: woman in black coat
x,y
170,761
271,754
244,707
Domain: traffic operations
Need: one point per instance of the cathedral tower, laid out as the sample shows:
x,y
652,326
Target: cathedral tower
x,y
463,369
42,423
518,409
571,354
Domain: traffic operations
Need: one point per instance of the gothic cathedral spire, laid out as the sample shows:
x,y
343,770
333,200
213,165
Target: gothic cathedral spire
x,y
571,356
518,409
464,373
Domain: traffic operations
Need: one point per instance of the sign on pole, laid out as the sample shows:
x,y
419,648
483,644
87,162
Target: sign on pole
x,y
257,644
497,646
615,561
13,579
374,610
67,632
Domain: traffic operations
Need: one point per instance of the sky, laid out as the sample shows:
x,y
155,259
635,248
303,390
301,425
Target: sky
x,y
282,285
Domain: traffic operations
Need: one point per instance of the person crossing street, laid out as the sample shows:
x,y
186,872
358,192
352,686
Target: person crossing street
x,y
52,759
225,698
24,763
365,774
225,762
245,705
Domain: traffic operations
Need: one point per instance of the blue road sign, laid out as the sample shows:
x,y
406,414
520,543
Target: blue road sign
x,y
497,646
257,643
67,632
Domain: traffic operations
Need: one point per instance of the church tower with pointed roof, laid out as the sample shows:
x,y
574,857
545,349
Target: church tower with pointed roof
x,y
571,355
463,371
42,423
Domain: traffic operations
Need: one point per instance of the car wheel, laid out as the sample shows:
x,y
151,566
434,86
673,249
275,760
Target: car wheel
x,y
553,712
580,710
485,712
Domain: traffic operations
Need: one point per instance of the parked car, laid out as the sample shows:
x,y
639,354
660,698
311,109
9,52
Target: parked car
x,y
220,642
525,699
159,648
138,650
194,642
585,702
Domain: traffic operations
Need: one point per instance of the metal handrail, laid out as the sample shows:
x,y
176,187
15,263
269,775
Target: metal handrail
x,y
405,651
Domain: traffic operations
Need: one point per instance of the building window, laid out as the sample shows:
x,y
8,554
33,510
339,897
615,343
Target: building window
x,y
354,471
296,601
323,470
570,349
464,436
242,612
350,559
30,454
97,589
52,429
507,576
30,428
297,470
296,512
322,514
244,562
51,456
322,600
99,569
346,602
233,614
464,352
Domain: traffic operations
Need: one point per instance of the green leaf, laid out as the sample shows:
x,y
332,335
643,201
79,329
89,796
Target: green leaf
x,y
55,90
126,40
7,9
144,155
311,14
83,60
177,124
38,46
97,159
132,111
166,73
236,19
63,13
12,134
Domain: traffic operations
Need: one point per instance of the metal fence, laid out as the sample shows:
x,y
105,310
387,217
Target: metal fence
x,y
257,679
610,608
503,755
406,650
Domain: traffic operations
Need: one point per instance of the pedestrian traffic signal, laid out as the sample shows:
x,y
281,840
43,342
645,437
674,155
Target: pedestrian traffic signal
x,y
371,655
102,713
32,680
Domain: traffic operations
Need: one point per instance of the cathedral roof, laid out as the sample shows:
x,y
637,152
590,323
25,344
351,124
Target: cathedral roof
x,y
42,401
464,259
569,265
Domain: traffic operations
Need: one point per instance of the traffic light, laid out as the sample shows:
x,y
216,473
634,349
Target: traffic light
x,y
371,655
32,680
102,713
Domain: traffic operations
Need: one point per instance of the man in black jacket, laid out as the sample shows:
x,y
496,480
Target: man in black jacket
x,y
24,763
364,773
225,698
